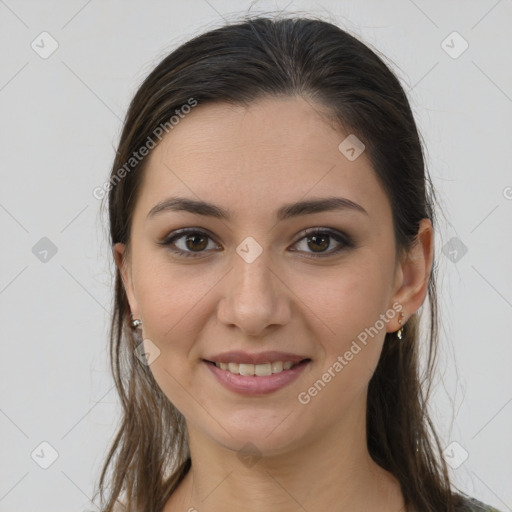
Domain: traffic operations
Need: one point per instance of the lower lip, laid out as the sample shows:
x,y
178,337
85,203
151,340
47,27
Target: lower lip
x,y
254,385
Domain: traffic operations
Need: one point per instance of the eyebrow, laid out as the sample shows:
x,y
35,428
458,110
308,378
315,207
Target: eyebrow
x,y
284,212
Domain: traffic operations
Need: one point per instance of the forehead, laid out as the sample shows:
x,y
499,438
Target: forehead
x,y
274,151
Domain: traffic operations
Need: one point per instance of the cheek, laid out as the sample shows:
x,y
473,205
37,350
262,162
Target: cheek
x,y
347,299
170,297
172,303
346,306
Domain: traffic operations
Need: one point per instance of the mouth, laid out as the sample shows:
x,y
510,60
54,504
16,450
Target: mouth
x,y
258,370
256,379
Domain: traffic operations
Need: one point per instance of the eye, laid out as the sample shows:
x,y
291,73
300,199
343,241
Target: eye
x,y
192,242
189,242
320,239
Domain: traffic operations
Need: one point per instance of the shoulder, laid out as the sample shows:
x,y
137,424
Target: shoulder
x,y
469,504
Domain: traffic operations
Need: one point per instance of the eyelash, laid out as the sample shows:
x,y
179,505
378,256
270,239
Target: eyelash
x,y
339,237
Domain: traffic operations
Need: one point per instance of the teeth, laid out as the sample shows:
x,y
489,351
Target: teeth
x,y
277,366
261,370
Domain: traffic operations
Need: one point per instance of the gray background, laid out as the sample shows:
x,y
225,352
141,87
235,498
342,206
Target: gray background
x,y
60,120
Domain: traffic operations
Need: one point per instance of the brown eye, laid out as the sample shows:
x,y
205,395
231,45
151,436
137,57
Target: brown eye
x,y
196,242
318,242
189,242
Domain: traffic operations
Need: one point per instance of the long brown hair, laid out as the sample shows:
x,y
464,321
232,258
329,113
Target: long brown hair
x,y
239,63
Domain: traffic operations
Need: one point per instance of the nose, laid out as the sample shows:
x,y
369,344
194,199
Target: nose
x,y
254,297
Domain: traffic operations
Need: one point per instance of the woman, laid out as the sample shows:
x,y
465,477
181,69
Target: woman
x,y
272,223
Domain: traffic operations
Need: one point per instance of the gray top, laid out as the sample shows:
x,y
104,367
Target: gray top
x,y
473,505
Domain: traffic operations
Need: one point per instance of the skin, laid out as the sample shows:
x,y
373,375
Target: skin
x,y
252,161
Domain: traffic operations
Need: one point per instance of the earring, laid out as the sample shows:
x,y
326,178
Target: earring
x,y
400,332
136,323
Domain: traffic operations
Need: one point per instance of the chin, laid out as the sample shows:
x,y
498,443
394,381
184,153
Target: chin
x,y
270,436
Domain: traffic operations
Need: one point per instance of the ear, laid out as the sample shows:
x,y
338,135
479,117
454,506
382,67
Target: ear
x,y
123,264
413,274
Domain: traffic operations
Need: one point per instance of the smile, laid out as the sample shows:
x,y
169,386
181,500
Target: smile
x,y
261,370
256,379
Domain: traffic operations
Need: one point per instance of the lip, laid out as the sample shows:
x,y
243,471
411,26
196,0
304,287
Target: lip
x,y
254,385
240,357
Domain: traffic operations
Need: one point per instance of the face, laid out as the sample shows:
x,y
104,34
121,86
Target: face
x,y
253,281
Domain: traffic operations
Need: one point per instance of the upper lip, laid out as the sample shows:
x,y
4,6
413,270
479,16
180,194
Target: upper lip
x,y
240,357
